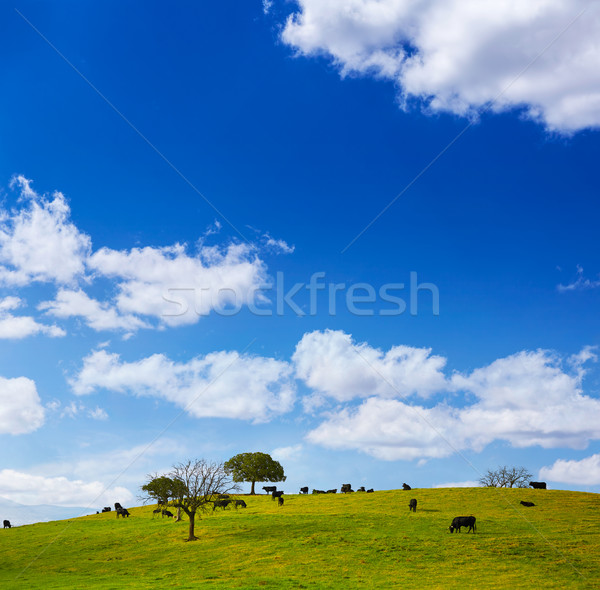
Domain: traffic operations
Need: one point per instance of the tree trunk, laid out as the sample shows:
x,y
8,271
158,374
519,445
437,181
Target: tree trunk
x,y
191,536
252,489
178,514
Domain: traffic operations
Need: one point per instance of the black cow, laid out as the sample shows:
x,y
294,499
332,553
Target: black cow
x,y
370,491
167,513
280,501
122,512
221,504
332,491
157,511
461,521
318,491
528,504
361,489
412,505
270,489
106,509
538,485
346,488
118,506
405,487
276,495
7,524
304,490
240,503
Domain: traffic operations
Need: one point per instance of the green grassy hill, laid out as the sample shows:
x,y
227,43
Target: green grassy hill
x,y
323,541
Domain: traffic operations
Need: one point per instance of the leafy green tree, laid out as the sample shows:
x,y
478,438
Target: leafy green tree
x,y
506,477
254,467
158,488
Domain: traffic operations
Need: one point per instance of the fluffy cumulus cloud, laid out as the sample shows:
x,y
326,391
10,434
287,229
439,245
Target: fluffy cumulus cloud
x,y
17,327
220,384
331,363
27,488
21,410
38,242
177,288
584,472
461,56
149,286
390,430
98,315
532,398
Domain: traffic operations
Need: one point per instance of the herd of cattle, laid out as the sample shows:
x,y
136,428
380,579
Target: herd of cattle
x,y
224,500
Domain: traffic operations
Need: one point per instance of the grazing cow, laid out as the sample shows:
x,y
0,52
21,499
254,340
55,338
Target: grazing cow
x,y
461,521
157,511
7,524
240,503
538,485
332,491
106,509
412,505
280,501
405,487
304,490
122,512
221,504
370,491
276,495
270,489
318,491
167,513
346,488
361,489
528,504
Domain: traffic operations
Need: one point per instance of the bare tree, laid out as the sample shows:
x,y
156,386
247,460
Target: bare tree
x,y
506,477
198,484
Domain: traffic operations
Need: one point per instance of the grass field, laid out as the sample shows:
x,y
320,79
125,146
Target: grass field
x,y
323,541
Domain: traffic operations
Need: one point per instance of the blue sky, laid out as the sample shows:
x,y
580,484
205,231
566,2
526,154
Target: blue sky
x,y
174,179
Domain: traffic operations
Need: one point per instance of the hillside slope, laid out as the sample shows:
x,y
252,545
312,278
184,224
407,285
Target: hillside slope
x,y
323,541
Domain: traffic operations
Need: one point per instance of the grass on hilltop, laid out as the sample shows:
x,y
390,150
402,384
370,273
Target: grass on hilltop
x,y
323,541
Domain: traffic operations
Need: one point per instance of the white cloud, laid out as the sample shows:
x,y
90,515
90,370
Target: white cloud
x,y
583,472
334,365
98,414
125,466
267,5
220,384
278,245
17,327
170,285
177,288
27,488
457,484
9,303
579,284
97,315
21,411
460,56
38,242
391,430
527,399
287,453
